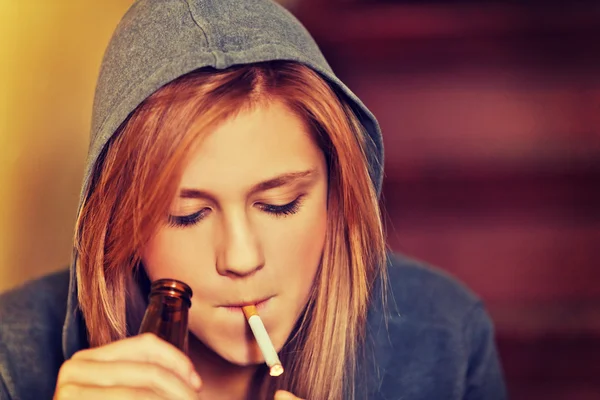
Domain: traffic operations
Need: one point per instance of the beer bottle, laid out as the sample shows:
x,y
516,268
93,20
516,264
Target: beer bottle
x,y
167,313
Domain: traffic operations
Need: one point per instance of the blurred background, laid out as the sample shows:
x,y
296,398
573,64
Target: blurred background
x,y
491,119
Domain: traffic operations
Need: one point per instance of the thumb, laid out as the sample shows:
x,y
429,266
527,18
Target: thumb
x,y
283,395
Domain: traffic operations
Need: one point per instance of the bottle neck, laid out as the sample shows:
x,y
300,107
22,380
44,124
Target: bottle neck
x,y
169,301
171,291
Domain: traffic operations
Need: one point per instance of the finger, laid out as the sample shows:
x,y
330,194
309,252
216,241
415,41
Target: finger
x,y
75,392
283,395
126,374
145,348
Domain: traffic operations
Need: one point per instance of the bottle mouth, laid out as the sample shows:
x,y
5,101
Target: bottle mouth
x,y
171,287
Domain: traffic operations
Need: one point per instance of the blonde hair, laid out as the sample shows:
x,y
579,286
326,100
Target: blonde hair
x,y
136,178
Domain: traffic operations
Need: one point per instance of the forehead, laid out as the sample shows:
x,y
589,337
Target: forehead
x,y
254,145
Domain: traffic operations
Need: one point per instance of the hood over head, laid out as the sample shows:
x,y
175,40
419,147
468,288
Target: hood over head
x,y
158,41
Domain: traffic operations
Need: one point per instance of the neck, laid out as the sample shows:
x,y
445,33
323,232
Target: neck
x,y
221,380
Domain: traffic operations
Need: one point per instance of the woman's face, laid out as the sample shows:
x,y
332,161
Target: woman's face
x,y
248,224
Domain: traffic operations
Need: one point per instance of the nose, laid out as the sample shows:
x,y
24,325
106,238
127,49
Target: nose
x,y
240,252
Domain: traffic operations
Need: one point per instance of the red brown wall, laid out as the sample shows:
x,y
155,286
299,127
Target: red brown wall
x,y
491,121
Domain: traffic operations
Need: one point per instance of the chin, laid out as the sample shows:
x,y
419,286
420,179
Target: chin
x,y
236,348
241,355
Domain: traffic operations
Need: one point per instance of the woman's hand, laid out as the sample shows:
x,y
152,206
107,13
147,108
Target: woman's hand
x,y
142,366
283,395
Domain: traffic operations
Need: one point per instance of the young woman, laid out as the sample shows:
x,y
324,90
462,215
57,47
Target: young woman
x,y
226,154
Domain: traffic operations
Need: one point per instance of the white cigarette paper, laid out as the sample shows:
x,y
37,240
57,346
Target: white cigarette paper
x,y
264,341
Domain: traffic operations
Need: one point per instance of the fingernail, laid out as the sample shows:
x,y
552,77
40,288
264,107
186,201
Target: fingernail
x,y
195,380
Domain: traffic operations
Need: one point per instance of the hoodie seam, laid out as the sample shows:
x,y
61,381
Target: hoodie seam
x,y
208,42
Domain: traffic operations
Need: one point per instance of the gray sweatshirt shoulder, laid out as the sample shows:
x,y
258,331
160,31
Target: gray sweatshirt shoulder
x,y
31,321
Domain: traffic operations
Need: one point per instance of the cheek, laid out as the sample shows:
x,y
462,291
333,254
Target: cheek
x,y
175,253
295,247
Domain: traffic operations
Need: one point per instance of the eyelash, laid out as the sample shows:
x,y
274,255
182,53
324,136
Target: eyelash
x,y
284,210
278,211
181,221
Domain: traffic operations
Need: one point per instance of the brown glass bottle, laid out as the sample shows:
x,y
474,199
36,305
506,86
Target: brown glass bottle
x,y
167,313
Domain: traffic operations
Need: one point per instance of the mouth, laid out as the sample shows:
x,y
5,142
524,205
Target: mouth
x,y
237,307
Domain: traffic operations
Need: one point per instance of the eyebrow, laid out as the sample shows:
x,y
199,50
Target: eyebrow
x,y
278,181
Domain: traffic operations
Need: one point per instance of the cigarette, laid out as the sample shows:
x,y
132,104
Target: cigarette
x,y
264,341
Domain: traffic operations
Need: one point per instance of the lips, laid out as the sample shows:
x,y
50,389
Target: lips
x,y
246,303
236,307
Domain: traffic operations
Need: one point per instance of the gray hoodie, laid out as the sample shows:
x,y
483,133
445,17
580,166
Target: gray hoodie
x,y
438,342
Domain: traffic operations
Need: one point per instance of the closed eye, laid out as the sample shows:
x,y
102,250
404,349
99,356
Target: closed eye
x,y
282,210
187,220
